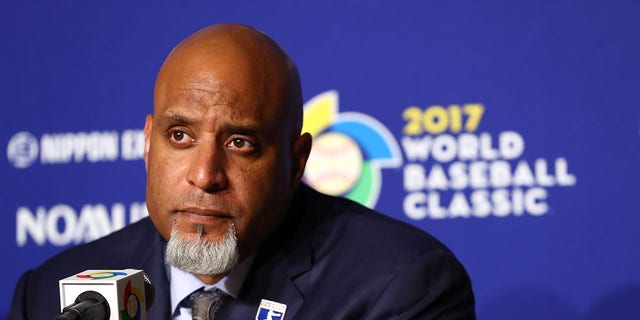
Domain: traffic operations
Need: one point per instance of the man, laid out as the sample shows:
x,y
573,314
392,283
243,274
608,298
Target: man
x,y
224,157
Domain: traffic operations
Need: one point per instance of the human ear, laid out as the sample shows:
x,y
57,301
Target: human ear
x,y
148,125
300,153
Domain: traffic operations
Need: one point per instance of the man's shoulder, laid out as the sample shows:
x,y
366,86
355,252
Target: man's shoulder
x,y
357,223
396,268
117,249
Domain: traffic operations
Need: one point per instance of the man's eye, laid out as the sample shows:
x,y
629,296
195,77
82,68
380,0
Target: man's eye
x,y
179,137
240,143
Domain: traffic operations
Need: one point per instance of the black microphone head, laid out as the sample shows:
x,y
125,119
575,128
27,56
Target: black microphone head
x,y
88,305
149,290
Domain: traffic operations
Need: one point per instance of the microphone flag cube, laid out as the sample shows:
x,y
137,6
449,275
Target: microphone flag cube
x,y
124,291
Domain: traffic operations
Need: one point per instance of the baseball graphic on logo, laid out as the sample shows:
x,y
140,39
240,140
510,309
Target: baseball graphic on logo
x,y
335,163
132,306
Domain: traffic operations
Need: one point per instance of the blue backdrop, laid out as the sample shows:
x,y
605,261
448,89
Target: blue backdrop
x,y
508,129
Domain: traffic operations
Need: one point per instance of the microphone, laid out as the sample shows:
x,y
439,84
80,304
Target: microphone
x,y
106,295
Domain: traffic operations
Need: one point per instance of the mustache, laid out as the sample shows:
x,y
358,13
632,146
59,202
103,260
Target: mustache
x,y
201,200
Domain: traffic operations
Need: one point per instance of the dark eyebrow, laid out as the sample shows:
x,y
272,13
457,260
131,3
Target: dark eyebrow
x,y
176,119
242,129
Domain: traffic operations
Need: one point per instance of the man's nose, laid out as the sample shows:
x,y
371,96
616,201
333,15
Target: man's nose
x,y
207,168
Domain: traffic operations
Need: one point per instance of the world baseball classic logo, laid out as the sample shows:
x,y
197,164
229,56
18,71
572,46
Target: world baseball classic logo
x,y
349,150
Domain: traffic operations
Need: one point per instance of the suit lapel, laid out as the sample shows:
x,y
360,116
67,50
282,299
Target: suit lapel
x,y
279,265
153,265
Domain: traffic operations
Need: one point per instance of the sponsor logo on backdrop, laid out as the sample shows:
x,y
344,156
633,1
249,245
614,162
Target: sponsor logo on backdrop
x,y
22,150
454,171
62,225
25,150
349,150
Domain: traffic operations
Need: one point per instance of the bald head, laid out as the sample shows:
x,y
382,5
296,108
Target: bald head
x,y
238,62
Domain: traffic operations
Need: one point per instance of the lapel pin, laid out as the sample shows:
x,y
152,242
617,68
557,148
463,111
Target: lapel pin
x,y
271,310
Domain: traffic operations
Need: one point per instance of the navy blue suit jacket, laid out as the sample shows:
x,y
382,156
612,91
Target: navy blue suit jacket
x,y
330,259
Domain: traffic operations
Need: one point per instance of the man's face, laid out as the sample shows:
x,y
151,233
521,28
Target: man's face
x,y
218,151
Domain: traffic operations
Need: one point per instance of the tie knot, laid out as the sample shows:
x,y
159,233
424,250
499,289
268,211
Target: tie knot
x,y
205,304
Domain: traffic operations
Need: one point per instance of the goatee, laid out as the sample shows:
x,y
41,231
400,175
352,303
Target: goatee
x,y
197,255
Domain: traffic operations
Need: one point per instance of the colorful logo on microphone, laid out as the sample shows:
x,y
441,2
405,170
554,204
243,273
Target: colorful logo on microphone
x,y
131,302
349,150
132,297
99,275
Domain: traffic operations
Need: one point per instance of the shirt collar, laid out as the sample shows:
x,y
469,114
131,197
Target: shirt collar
x,y
182,283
